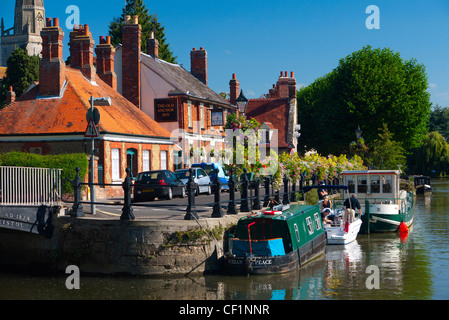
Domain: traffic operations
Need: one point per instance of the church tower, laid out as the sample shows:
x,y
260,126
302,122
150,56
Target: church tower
x,y
29,19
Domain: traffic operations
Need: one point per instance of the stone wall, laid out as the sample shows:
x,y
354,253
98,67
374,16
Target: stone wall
x,y
114,247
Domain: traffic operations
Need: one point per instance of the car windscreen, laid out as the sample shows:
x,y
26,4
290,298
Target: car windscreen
x,y
209,169
148,176
184,174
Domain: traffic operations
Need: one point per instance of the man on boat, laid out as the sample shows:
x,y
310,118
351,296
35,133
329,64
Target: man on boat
x,y
350,205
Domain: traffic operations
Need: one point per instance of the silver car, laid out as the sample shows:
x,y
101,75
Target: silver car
x,y
200,177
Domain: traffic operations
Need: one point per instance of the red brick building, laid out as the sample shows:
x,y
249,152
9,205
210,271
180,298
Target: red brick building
x,y
50,117
277,109
179,100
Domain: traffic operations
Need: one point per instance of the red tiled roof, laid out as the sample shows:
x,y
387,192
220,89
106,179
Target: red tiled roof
x,y
31,114
274,111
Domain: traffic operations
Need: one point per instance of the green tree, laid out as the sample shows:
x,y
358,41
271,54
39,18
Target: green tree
x,y
370,87
21,71
387,153
439,121
149,22
431,158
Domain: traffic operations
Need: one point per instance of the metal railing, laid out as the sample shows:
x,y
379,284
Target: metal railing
x,y
23,186
251,197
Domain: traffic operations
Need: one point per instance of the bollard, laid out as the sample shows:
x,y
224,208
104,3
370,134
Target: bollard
x,y
293,195
77,208
256,201
231,206
285,199
127,210
244,205
191,208
217,212
266,200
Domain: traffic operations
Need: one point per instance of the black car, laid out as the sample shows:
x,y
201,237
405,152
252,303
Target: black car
x,y
159,183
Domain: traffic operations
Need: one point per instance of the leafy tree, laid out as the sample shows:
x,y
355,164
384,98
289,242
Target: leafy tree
x,y
21,71
387,153
149,22
432,158
370,87
439,121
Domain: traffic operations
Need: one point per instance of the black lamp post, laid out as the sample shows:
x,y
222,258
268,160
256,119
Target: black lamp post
x,y
242,102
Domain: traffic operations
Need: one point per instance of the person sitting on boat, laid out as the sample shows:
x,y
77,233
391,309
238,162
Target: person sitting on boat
x,y
350,205
321,192
326,203
327,217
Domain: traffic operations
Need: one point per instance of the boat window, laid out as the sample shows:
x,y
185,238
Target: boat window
x,y
361,184
375,184
296,232
386,184
309,225
351,185
317,221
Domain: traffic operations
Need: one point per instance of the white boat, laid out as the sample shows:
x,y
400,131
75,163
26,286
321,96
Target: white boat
x,y
336,233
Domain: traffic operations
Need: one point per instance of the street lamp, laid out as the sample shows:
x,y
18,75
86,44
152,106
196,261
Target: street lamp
x,y
102,101
358,133
242,102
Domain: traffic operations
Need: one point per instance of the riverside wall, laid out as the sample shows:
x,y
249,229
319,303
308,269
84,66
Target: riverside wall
x,y
139,247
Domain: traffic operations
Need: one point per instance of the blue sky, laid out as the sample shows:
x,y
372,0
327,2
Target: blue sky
x,y
258,39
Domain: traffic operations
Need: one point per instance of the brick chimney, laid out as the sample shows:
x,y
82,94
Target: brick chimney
x,y
198,64
233,89
105,61
153,46
292,86
82,51
10,96
52,66
131,36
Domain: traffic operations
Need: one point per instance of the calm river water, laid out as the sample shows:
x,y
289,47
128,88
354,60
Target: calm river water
x,y
414,268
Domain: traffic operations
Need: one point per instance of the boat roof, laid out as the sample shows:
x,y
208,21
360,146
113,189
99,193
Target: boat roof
x,y
325,186
367,172
286,214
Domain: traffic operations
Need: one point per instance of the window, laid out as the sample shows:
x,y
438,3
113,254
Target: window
x,y
115,164
163,160
351,185
386,184
202,115
296,232
375,184
361,184
146,162
189,113
317,221
309,225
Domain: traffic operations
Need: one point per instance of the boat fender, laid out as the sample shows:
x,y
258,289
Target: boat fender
x,y
403,227
249,264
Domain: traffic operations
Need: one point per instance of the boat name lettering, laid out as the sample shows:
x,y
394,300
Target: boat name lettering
x,y
263,262
235,261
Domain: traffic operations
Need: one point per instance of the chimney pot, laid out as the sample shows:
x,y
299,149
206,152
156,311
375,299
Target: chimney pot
x,y
233,76
127,19
48,22
108,39
86,29
201,48
101,40
135,19
55,22
292,75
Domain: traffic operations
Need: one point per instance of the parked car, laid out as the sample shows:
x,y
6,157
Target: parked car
x,y
200,177
210,170
158,183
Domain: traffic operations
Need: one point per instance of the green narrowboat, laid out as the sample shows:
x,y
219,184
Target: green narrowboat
x,y
384,203
275,241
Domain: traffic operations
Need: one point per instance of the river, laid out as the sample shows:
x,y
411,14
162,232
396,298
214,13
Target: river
x,y
411,268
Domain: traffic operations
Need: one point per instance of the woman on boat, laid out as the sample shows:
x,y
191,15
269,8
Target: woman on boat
x,y
326,211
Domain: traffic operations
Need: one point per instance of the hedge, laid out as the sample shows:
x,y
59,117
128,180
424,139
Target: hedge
x,y
66,162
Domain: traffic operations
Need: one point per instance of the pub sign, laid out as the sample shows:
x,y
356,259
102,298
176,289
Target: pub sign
x,y
166,110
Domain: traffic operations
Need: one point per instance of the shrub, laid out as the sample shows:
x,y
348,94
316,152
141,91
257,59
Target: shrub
x,y
66,162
